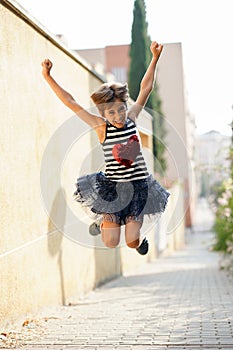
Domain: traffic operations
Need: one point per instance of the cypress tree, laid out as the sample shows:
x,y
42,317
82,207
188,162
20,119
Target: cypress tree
x,y
159,131
138,48
140,56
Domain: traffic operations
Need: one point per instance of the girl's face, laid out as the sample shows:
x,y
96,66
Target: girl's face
x,y
116,114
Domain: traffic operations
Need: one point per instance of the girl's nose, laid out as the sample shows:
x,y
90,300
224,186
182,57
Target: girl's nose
x,y
119,118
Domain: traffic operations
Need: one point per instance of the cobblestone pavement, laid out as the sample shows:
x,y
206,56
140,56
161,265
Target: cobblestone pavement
x,y
178,302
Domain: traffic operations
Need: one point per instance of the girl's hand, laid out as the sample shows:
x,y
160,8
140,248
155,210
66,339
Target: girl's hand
x,y
47,65
156,49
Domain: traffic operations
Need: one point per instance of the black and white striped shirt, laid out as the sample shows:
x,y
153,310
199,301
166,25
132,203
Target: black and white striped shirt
x,y
120,138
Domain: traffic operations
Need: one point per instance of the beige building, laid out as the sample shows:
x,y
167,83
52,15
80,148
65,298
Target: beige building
x,y
181,135
111,61
180,124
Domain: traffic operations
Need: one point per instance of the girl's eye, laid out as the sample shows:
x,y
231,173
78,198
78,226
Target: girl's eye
x,y
121,110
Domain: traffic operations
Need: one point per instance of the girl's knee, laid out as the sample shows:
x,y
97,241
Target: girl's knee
x,y
132,234
110,234
110,241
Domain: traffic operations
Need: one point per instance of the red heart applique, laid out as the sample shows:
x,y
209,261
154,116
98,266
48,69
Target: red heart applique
x,y
126,154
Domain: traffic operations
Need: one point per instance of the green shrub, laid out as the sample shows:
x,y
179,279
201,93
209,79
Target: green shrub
x,y
224,219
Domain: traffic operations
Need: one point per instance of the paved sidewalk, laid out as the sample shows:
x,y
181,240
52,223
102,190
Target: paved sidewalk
x,y
179,302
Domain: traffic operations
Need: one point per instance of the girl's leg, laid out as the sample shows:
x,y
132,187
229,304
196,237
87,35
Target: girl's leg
x,y
132,237
132,233
110,231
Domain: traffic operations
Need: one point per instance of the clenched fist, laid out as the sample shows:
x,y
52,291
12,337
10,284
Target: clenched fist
x,y
47,65
156,49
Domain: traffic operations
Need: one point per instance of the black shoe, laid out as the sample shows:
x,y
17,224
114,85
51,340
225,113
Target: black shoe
x,y
94,229
144,247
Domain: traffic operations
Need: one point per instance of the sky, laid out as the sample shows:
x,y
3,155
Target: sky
x,y
204,27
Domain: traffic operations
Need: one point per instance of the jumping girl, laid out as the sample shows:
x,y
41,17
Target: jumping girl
x,y
125,192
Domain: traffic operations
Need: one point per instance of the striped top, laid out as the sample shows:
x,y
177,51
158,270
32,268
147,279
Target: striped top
x,y
122,151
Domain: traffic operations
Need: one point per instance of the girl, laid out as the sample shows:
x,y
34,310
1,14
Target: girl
x,y
125,192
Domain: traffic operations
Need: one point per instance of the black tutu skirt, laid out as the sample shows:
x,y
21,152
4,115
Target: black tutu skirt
x,y
99,195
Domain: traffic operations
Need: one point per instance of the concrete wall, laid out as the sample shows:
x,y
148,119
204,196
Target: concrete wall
x,y
171,227
39,266
47,256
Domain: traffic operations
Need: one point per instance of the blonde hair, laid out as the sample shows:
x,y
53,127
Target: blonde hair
x,y
108,93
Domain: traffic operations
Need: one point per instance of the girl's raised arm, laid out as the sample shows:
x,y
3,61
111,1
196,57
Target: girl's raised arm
x,y
67,98
147,83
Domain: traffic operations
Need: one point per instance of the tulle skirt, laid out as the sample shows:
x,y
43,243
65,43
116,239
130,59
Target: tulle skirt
x,y
99,195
